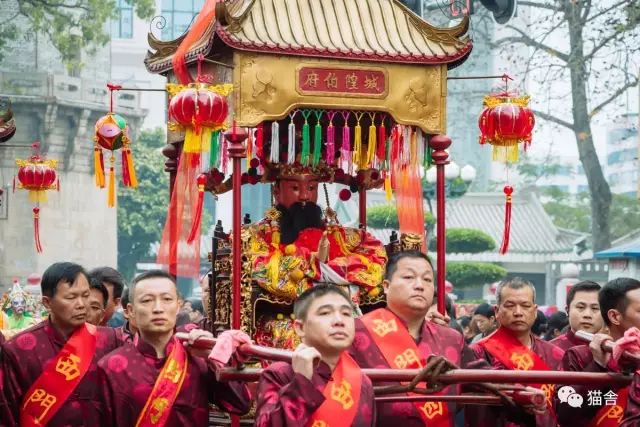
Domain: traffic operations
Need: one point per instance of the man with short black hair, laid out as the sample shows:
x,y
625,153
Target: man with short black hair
x,y
485,318
619,303
129,329
513,347
114,282
584,313
158,368
399,337
49,369
98,297
297,394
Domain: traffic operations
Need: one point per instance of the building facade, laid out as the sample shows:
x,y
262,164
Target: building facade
x,y
622,155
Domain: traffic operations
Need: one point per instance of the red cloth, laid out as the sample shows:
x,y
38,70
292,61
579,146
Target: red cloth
x,y
23,358
567,340
434,339
487,416
128,374
287,399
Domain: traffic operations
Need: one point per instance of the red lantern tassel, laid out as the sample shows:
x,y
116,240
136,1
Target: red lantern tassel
x,y
98,165
195,225
111,197
36,229
125,170
504,247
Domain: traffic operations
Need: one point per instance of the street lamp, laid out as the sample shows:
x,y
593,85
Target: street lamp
x,y
457,181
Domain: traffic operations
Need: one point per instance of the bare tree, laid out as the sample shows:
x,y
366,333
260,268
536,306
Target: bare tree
x,y
591,47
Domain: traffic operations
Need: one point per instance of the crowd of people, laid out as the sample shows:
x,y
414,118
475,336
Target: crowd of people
x,y
83,366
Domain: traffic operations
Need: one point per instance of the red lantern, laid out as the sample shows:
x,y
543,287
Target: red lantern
x,y
37,175
201,109
505,122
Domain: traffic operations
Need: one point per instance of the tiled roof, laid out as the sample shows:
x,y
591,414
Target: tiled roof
x,y
369,30
532,231
629,249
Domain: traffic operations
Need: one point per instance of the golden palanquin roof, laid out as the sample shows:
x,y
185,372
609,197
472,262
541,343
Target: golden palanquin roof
x,y
363,30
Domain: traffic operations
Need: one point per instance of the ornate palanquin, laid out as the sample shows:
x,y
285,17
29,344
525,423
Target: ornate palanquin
x,y
372,57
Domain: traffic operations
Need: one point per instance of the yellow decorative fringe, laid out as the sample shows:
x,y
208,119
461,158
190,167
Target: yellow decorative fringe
x,y
111,197
505,154
131,169
97,165
387,187
371,147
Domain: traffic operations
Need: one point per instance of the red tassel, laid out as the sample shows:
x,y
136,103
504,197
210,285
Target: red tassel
x,y
195,225
126,181
36,229
382,142
504,247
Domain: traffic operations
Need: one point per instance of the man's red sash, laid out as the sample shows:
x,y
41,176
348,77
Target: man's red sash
x,y
516,356
59,378
611,415
342,395
166,389
401,352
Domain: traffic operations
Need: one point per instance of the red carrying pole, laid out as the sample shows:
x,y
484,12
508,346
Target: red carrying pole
x,y
236,137
439,144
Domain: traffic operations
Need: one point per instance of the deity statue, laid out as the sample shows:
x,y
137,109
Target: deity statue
x,y
19,310
295,245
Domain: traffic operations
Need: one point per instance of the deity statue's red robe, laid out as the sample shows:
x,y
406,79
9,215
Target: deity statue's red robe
x,y
128,375
22,361
355,257
287,399
487,416
567,340
434,340
594,411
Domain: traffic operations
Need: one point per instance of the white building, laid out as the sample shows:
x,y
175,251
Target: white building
x,y
622,155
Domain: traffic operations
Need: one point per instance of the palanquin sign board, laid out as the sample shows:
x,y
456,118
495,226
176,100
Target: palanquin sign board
x,y
373,55
283,55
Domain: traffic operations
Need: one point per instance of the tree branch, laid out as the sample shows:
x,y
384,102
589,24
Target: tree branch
x,y
539,5
525,39
605,11
554,119
613,96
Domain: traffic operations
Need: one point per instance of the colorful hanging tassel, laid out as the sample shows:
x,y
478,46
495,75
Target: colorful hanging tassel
x,y
371,143
125,170
387,185
505,154
291,142
111,197
382,143
129,167
357,141
504,247
213,149
306,143
330,154
420,146
275,142
317,139
259,141
195,224
345,150
224,160
98,165
36,229
250,141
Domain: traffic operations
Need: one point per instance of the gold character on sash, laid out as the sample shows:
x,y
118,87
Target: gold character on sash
x,y
431,409
615,412
173,372
159,405
383,328
523,362
548,390
341,393
45,399
69,366
319,423
406,358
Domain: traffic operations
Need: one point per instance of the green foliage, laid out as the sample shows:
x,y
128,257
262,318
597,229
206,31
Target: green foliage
x,y
386,216
574,212
142,211
468,274
466,240
70,26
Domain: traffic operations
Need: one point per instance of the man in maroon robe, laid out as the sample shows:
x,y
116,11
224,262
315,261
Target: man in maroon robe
x,y
584,314
409,288
128,330
296,394
65,290
619,302
155,381
513,346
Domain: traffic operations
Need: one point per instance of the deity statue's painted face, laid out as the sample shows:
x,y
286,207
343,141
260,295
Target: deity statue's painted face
x,y
18,304
301,188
